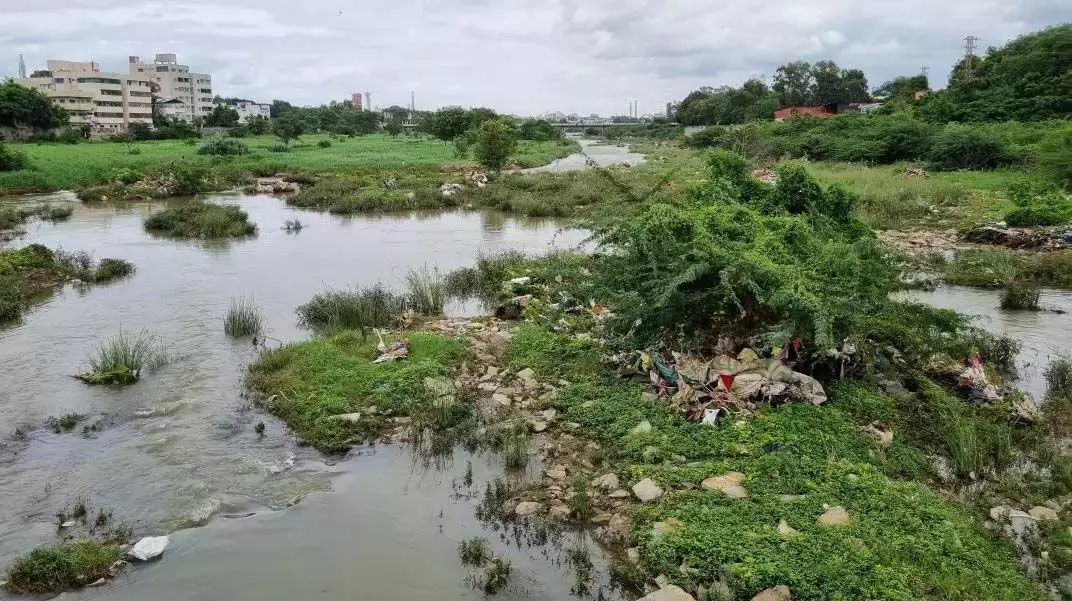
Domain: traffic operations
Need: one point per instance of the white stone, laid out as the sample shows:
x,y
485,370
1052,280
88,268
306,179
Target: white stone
x,y
606,482
729,484
1044,514
527,374
549,415
348,417
501,399
641,428
99,582
835,516
621,493
526,508
778,593
669,593
149,547
492,371
559,512
633,555
538,426
646,490
557,472
785,529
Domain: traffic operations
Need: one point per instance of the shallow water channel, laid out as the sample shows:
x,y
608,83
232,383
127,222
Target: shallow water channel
x,y
178,449
604,154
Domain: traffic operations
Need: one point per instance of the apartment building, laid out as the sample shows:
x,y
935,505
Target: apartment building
x,y
247,109
176,82
107,102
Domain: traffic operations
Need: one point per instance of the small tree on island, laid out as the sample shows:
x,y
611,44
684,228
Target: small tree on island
x,y
494,141
287,127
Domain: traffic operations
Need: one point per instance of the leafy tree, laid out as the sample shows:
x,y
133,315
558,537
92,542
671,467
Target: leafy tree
x,y
794,83
538,130
826,83
447,123
258,125
222,116
393,127
280,107
494,141
903,87
289,126
140,131
853,87
480,115
396,113
27,107
41,73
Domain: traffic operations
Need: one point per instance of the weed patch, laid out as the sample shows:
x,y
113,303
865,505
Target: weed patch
x,y
243,318
73,565
122,358
361,310
199,219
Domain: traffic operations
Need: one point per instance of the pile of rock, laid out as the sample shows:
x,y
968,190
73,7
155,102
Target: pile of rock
x,y
274,185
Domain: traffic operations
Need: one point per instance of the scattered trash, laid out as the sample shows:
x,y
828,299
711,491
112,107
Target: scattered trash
x,y
391,183
1053,238
149,548
767,176
974,382
451,189
398,350
916,172
477,178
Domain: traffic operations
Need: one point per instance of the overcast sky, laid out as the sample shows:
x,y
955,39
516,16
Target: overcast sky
x,y
518,56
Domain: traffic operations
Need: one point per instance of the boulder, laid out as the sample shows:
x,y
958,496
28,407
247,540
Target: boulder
x,y
501,399
527,374
728,484
646,490
557,472
538,426
670,592
785,530
835,516
149,548
1044,514
602,519
559,512
633,555
548,415
641,428
621,493
778,593
527,508
606,482
348,417
492,371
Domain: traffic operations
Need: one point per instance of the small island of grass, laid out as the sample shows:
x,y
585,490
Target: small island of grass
x,y
199,219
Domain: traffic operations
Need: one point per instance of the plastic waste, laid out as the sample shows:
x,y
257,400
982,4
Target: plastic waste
x,y
149,548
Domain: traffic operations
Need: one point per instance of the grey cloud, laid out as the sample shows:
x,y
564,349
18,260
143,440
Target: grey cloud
x,y
516,55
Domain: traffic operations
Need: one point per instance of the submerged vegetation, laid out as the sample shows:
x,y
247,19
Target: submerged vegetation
x,y
1022,297
199,219
427,292
122,358
243,318
361,310
28,271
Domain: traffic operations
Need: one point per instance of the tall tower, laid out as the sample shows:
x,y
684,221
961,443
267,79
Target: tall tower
x,y
22,66
969,55
368,99
356,98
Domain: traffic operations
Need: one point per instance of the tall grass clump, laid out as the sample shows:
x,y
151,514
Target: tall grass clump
x,y
427,290
223,146
473,551
122,358
55,568
293,225
243,318
199,219
362,310
485,279
1021,297
1059,380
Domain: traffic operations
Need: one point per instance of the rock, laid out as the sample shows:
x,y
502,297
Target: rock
x,y
662,581
557,472
538,426
666,526
69,524
291,502
883,436
621,493
1000,513
1044,514
646,490
669,593
729,484
549,415
786,530
348,417
1054,505
835,516
501,399
99,582
602,519
778,593
527,374
492,371
527,508
559,512
1021,524
373,410
606,482
620,524
641,428
149,548
633,555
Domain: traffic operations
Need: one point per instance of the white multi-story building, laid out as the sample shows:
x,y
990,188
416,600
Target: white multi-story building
x,y
106,102
176,82
247,109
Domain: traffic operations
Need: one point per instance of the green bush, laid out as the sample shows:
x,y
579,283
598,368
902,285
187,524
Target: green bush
x,y
1054,157
1020,297
222,146
324,143
199,219
1038,204
72,565
125,175
362,310
967,147
12,159
279,147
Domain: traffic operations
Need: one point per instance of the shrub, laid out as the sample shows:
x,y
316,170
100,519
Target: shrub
x,y
110,269
199,219
427,291
72,565
12,159
967,147
125,175
1054,157
361,310
243,318
1059,380
1038,204
222,146
122,358
473,551
279,147
1020,296
324,143
494,141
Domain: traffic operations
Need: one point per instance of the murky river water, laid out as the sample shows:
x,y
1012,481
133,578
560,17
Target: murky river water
x,y
1043,334
178,448
603,153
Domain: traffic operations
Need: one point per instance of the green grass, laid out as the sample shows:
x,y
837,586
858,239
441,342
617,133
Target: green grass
x,y
34,268
1020,297
58,166
121,358
243,318
1059,380
55,568
305,384
427,292
362,309
1001,267
473,551
199,219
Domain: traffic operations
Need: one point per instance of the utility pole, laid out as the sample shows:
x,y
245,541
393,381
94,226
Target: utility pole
x,y
969,55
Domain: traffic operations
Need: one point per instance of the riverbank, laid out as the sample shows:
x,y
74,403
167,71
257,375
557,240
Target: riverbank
x,y
33,270
57,166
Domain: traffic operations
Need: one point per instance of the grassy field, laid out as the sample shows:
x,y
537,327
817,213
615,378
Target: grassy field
x,y
67,166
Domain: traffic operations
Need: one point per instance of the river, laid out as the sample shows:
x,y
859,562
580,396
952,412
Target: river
x,y
604,154
178,448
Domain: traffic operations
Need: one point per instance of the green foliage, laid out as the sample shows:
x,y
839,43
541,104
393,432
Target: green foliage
x,y
279,147
1059,380
1019,297
964,147
552,356
494,142
802,84
125,175
199,219
580,501
243,318
222,116
393,128
324,143
1038,204
223,146
496,573
426,291
122,358
21,106
447,123
473,551
515,452
1054,156
258,125
903,88
55,568
307,383
12,159
288,127
726,105
361,310
538,130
